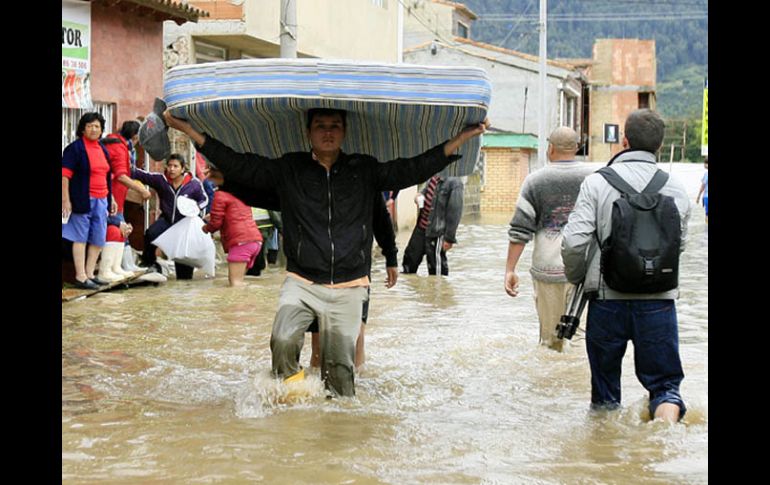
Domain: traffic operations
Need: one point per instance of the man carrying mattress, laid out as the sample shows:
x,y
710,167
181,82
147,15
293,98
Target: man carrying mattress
x,y
326,199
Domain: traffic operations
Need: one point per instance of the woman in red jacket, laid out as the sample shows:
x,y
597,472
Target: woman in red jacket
x,y
239,233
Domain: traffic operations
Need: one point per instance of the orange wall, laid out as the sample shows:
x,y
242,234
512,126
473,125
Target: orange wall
x,y
126,61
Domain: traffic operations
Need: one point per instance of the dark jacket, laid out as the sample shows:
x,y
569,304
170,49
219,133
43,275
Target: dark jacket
x,y
382,225
190,187
327,216
75,158
447,209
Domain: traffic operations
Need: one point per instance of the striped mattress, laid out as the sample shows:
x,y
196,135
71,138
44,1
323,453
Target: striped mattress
x,y
394,110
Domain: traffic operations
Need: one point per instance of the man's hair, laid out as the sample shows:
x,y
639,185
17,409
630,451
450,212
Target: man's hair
x,y
564,139
313,112
88,118
129,129
644,130
179,157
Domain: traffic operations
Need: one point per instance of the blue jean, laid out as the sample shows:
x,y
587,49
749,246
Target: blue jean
x,y
652,326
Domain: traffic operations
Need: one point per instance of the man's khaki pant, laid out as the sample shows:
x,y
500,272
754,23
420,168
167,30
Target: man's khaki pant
x,y
339,318
551,301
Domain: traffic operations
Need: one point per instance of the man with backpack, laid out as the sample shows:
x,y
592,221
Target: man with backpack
x,y
623,240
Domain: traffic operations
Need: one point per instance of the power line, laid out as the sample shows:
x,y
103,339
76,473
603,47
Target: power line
x,y
596,17
428,27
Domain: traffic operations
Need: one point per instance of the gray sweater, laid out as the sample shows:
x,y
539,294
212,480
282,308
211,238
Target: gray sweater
x,y
545,202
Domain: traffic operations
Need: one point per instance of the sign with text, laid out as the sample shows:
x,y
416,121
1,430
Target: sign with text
x,y
76,54
611,133
704,138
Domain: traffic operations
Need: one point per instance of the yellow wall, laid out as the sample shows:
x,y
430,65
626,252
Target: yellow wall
x,y
342,29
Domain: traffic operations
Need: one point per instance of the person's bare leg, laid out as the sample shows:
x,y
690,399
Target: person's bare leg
x,y
360,353
79,258
667,411
315,345
91,258
236,271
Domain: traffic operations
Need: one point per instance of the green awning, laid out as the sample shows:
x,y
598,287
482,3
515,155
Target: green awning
x,y
509,140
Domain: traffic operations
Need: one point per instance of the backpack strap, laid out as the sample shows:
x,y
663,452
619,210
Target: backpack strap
x,y
658,181
653,187
616,181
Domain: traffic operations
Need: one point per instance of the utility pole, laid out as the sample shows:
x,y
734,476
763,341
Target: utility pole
x,y
542,114
288,29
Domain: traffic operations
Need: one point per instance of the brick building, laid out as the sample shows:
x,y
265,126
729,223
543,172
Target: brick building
x,y
506,159
622,78
112,63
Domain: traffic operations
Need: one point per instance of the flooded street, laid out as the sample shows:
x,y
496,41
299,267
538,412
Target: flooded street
x,y
170,384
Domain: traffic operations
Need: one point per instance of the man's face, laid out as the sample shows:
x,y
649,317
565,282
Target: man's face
x,y
326,133
173,169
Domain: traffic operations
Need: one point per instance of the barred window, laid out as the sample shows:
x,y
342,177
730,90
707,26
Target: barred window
x,y
71,116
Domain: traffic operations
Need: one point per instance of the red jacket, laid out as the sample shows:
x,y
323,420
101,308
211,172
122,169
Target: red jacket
x,y
120,164
232,218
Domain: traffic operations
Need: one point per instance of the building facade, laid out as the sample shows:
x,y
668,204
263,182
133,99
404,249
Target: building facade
x,y
622,78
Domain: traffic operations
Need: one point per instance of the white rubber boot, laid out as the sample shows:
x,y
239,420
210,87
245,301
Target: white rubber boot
x,y
128,259
105,265
117,259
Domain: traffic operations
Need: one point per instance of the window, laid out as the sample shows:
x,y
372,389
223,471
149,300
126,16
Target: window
x,y
568,110
380,3
70,118
462,30
209,53
644,100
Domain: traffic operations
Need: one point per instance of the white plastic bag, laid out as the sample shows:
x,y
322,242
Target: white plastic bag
x,y
186,243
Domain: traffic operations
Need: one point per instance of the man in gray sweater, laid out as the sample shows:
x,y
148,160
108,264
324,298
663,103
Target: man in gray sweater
x,y
546,199
647,319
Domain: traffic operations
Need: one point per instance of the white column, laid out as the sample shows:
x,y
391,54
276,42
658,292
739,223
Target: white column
x,y
543,111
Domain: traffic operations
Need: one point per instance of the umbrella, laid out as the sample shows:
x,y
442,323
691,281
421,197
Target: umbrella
x,y
394,110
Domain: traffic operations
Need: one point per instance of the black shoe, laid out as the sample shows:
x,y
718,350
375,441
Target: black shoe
x,y
86,285
99,282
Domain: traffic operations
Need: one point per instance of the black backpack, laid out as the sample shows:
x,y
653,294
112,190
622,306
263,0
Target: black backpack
x,y
641,255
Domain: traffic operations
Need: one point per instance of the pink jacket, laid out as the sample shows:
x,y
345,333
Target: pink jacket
x,y
232,218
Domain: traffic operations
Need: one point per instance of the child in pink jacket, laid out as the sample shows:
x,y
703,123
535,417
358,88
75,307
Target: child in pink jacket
x,y
239,234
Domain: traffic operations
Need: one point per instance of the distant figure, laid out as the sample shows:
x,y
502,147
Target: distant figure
x,y
240,236
390,197
646,318
441,206
546,200
704,189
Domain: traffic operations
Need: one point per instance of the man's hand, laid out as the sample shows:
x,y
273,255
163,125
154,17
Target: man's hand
x,y
469,132
184,127
113,207
447,246
146,194
392,272
511,283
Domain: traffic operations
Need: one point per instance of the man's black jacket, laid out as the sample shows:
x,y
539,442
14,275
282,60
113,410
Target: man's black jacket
x,y
382,225
326,215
